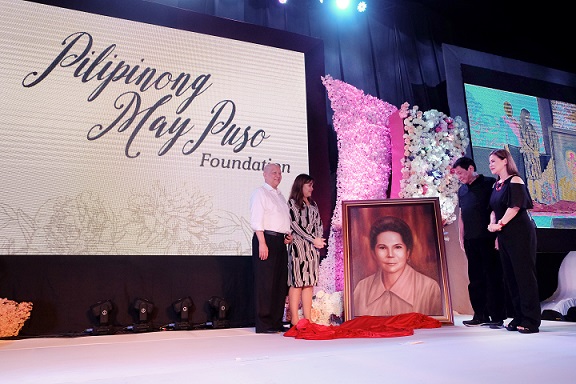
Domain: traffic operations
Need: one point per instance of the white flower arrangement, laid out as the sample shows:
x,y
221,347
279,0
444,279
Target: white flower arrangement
x,y
325,307
432,142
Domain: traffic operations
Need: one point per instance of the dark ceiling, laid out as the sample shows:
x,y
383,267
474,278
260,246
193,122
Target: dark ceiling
x,y
533,32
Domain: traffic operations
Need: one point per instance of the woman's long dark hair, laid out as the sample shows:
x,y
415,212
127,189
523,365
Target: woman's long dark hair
x,y
511,167
296,192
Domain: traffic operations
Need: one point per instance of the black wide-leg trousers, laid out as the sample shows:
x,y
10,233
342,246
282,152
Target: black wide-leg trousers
x,y
270,283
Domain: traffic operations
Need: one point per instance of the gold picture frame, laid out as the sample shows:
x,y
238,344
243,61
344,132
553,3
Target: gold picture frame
x,y
422,288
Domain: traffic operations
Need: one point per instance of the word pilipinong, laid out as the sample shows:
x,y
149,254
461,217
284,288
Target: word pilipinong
x,y
134,118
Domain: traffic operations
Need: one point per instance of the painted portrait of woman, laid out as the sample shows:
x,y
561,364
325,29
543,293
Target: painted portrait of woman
x,y
396,287
394,258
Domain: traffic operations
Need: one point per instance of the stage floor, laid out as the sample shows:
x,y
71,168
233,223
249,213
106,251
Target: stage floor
x,y
450,354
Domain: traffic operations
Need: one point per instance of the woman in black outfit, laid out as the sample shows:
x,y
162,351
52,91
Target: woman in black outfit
x,y
510,201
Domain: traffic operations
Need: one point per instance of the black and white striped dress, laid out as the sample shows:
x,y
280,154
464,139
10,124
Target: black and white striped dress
x,y
303,257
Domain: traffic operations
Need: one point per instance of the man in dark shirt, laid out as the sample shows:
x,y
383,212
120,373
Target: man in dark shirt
x,y
486,288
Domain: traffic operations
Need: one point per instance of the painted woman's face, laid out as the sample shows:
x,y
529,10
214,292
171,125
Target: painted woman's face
x,y
391,253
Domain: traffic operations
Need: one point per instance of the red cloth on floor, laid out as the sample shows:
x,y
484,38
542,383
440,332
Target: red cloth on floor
x,y
364,326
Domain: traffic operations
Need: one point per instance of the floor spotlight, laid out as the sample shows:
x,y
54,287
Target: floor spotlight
x,y
144,309
219,310
102,311
183,308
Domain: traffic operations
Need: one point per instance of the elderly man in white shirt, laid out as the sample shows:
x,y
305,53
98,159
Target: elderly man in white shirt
x,y
270,220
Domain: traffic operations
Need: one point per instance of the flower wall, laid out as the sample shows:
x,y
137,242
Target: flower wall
x,y
361,125
431,140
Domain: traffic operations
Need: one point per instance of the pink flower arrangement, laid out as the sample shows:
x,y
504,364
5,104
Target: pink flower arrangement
x,y
361,124
13,315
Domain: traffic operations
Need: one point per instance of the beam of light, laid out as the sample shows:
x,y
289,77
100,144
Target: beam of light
x,y
342,4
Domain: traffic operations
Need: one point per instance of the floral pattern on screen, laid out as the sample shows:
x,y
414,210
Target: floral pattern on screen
x,y
179,221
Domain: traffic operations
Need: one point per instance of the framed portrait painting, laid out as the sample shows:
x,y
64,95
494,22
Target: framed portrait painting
x,y
564,154
395,258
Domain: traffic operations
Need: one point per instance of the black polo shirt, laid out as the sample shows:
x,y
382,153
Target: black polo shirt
x,y
474,202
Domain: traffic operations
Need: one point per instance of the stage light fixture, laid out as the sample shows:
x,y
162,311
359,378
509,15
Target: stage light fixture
x,y
144,309
183,308
347,5
343,4
219,310
102,312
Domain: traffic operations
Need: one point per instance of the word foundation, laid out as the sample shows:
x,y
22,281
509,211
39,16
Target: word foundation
x,y
247,164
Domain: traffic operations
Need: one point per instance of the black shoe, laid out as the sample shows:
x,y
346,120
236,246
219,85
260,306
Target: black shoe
x,y
495,324
490,322
474,322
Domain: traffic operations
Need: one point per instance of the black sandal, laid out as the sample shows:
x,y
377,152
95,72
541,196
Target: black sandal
x,y
523,329
512,326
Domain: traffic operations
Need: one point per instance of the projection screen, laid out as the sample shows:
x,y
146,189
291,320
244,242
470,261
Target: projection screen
x,y
122,137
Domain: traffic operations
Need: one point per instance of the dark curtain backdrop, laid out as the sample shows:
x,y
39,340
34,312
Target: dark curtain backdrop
x,y
392,52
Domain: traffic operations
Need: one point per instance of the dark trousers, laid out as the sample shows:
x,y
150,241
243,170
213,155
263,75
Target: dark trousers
x,y
486,288
270,283
519,262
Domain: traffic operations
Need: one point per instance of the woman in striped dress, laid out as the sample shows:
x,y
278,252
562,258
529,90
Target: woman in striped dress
x,y
303,254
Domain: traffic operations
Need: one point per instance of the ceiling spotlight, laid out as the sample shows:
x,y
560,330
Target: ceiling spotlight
x,y
342,4
361,6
